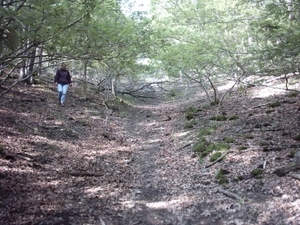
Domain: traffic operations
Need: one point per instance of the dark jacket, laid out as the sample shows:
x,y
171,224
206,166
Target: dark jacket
x,y
62,77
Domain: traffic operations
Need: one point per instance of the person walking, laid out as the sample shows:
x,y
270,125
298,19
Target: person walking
x,y
62,80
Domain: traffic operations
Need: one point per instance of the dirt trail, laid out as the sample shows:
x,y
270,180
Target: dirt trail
x,y
163,189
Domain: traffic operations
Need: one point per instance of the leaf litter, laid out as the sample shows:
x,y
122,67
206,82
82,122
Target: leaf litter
x,y
83,164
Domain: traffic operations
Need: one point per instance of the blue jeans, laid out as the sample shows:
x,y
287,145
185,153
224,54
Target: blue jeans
x,y
62,91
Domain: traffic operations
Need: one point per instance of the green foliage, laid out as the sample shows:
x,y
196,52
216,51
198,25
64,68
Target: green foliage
x,y
206,131
269,111
263,143
257,173
215,156
234,117
188,124
297,137
249,136
191,112
200,146
221,176
173,93
214,103
222,146
240,148
229,140
292,94
275,104
219,118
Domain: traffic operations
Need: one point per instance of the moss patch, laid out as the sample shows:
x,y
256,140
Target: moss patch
x,y
188,124
200,146
257,173
270,111
206,131
274,104
222,146
229,140
292,94
234,117
191,112
221,176
297,138
219,118
249,136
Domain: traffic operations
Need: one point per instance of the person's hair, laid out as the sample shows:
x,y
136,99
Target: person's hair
x,y
63,64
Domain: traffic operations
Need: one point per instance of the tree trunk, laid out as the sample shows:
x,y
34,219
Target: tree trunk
x,y
85,79
114,81
30,79
216,91
40,63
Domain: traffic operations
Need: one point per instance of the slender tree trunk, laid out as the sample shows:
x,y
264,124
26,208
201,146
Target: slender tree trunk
x,y
85,64
40,64
31,67
215,89
114,82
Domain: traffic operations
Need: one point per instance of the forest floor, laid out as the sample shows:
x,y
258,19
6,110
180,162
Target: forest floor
x,y
128,164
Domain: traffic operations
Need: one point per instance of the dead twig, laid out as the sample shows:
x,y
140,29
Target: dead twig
x,y
286,169
85,174
184,146
230,194
2,103
218,159
296,176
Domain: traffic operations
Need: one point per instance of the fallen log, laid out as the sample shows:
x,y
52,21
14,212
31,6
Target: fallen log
x,y
286,169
